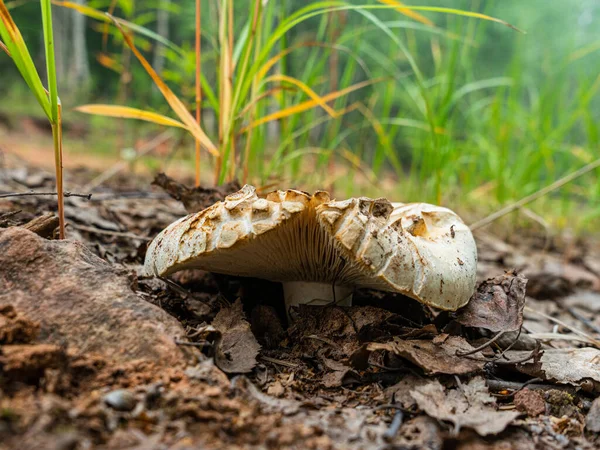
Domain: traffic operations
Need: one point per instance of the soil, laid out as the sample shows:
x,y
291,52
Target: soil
x,y
226,370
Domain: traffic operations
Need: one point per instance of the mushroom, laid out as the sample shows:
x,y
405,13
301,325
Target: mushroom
x,y
322,249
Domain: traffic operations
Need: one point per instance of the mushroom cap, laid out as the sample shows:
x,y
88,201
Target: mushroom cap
x,y
420,250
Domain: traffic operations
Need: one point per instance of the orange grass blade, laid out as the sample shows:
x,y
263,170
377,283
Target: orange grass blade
x,y
176,104
126,112
306,89
109,62
3,48
309,104
407,12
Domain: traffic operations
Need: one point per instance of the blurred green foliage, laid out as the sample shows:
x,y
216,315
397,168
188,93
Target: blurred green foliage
x,y
512,111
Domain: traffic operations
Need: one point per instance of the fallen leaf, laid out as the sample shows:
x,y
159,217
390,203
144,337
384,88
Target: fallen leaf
x,y
197,198
236,349
583,299
592,420
341,374
497,305
400,393
469,406
575,366
434,358
422,432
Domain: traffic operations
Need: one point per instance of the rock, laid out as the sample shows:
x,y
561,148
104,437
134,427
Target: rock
x,y
530,402
120,400
82,301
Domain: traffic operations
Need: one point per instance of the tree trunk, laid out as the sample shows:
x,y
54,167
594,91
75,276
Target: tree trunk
x,y
162,28
79,73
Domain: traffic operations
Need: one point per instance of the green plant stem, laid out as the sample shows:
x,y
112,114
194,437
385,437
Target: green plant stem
x,y
198,84
57,140
55,110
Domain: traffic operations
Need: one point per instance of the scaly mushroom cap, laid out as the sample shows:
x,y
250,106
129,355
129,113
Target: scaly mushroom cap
x,y
423,251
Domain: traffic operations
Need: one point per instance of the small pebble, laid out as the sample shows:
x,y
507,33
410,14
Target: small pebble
x,y
120,400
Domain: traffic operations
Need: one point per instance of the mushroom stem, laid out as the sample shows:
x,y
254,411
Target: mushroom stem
x,y
307,292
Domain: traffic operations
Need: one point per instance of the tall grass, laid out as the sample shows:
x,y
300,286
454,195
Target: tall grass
x,y
17,49
386,95
251,78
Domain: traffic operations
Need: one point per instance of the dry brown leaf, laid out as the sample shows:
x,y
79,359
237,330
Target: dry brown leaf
x,y
469,406
236,349
497,305
592,420
575,366
435,357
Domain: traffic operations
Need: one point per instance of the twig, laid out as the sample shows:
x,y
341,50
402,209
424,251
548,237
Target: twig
x,y
109,233
583,334
279,362
505,362
25,194
10,214
176,287
100,196
511,345
586,321
482,346
200,344
500,385
324,340
394,426
530,198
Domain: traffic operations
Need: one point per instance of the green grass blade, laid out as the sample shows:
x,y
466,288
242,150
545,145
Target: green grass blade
x,y
10,34
50,60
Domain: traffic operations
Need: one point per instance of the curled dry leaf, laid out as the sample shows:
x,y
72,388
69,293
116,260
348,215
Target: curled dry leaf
x,y
468,406
497,305
236,349
575,366
435,357
592,420
197,198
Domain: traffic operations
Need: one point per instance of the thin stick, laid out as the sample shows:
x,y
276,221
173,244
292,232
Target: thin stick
x,y
4,49
583,319
279,362
109,233
198,83
391,432
500,385
530,198
583,334
481,347
26,194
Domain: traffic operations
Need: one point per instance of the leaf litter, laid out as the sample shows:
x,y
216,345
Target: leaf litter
x,y
386,373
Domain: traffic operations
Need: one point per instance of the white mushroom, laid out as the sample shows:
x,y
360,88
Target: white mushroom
x,y
321,249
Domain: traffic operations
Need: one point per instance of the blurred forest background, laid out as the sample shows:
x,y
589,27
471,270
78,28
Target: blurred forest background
x,y
426,106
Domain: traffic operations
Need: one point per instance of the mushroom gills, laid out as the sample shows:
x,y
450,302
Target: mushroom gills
x,y
311,243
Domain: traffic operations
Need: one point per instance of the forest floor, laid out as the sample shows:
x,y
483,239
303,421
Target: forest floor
x,y
94,355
